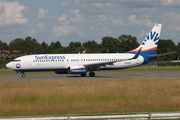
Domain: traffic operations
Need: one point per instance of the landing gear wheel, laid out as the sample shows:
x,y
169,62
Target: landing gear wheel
x,y
83,75
23,76
91,74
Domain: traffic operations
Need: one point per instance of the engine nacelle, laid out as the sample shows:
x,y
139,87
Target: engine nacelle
x,y
76,69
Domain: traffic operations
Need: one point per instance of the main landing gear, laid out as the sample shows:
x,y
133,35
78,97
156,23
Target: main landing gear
x,y
91,74
83,75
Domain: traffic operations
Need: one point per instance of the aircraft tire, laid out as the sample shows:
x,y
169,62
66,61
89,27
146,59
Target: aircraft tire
x,y
23,76
91,74
83,75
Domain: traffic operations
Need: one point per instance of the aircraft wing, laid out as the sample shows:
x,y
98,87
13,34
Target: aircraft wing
x,y
95,65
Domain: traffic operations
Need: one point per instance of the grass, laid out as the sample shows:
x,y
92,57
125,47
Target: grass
x,y
89,97
11,72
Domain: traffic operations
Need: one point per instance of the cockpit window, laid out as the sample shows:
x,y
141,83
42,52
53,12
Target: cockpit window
x,y
16,60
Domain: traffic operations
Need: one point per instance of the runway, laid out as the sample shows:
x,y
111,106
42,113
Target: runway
x,y
100,75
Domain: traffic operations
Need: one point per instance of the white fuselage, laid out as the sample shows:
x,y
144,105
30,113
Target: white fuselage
x,y
53,62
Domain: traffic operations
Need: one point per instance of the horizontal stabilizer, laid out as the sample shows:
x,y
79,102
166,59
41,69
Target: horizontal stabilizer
x,y
158,55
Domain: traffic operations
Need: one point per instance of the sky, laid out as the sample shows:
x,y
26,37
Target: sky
x,y
84,20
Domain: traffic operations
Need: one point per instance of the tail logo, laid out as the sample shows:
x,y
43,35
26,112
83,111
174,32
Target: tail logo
x,y
152,36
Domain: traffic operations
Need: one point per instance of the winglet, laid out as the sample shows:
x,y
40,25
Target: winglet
x,y
137,54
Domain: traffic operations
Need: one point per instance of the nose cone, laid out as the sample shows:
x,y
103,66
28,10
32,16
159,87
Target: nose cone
x,y
9,65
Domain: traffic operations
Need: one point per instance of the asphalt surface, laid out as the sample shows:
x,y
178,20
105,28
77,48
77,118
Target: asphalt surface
x,y
102,75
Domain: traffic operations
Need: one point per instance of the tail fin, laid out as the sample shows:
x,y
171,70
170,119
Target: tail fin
x,y
150,43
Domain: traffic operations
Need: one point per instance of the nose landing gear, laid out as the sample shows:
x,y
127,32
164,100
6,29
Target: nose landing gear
x,y
23,75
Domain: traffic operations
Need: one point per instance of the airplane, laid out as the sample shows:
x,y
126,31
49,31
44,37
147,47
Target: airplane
x,y
83,63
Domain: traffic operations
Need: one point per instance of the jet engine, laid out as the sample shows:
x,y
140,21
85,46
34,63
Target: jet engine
x,y
76,70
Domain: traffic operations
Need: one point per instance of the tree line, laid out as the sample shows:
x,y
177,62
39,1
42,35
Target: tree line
x,y
108,44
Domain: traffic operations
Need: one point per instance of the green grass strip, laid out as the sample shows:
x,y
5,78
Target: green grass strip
x,y
89,97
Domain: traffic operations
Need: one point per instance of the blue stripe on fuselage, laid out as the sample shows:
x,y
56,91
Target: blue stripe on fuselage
x,y
145,54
